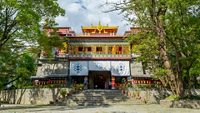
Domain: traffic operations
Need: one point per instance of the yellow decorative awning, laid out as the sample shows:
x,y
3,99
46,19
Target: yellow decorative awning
x,y
99,29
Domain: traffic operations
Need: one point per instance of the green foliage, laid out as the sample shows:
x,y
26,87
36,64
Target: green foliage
x,y
78,87
63,92
21,24
159,72
22,20
172,97
26,67
169,42
48,43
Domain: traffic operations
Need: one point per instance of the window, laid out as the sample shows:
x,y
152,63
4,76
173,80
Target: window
x,y
109,50
80,49
89,49
99,49
120,50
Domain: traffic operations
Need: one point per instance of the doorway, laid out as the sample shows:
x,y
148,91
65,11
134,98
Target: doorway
x,y
99,79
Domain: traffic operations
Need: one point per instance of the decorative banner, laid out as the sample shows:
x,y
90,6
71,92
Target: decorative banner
x,y
117,68
99,65
78,68
120,68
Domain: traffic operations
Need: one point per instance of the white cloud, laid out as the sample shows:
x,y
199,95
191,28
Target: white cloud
x,y
62,18
106,20
92,18
86,12
73,8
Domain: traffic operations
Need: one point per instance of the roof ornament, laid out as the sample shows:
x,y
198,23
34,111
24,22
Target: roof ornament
x,y
99,27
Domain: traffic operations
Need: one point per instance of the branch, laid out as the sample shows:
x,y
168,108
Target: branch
x,y
8,28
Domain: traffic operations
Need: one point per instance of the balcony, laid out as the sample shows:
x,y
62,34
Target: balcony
x,y
100,56
94,56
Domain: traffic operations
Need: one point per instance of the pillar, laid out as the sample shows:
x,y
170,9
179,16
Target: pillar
x,y
113,82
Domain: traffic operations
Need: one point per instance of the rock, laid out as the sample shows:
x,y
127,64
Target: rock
x,y
71,103
166,103
194,104
152,99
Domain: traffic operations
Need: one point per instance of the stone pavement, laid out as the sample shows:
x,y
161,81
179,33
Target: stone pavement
x,y
118,108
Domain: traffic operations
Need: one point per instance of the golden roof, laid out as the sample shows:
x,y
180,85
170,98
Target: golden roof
x,y
99,27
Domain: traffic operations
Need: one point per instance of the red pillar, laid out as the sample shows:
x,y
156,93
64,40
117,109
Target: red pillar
x,y
113,82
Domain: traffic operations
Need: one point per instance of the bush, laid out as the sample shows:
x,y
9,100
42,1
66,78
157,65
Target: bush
x,y
63,92
79,87
172,97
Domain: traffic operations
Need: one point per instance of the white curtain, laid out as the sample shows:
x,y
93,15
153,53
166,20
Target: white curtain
x,y
99,65
120,68
117,68
78,68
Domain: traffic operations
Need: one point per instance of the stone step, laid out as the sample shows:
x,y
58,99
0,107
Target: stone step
x,y
99,97
106,102
102,91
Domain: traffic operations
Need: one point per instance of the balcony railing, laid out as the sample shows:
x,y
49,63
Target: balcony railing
x,y
95,56
100,56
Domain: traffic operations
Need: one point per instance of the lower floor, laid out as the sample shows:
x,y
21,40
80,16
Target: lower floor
x,y
99,80
91,74
94,80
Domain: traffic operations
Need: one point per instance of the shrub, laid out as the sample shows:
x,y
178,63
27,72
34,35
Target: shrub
x,y
63,92
172,97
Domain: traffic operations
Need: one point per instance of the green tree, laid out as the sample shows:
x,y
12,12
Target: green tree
x,y
169,40
21,20
21,29
26,67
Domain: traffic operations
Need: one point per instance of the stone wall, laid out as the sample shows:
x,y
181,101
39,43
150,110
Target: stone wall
x,y
158,97
146,96
52,69
31,96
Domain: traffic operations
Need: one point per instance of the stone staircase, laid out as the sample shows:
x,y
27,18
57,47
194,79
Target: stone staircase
x,y
98,98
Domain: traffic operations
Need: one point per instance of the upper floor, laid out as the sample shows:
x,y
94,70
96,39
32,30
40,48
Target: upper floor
x,y
95,42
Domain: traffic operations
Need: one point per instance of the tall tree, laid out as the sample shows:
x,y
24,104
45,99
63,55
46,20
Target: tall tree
x,y
21,25
21,19
170,40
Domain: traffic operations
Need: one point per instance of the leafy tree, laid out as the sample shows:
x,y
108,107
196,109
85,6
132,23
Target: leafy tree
x,y
169,40
26,67
21,28
17,68
21,20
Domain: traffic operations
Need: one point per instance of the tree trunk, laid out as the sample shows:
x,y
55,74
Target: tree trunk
x,y
175,81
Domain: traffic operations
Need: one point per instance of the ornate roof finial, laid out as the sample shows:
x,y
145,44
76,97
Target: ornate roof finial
x,y
99,23
99,27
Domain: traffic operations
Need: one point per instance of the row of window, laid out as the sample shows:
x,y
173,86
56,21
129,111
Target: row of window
x,y
98,49
89,49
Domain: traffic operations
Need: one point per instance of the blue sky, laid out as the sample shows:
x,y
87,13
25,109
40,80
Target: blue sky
x,y
86,12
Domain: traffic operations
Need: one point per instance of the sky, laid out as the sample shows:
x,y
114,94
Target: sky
x,y
86,12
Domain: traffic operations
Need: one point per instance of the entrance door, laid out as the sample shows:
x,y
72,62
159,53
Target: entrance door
x,y
99,79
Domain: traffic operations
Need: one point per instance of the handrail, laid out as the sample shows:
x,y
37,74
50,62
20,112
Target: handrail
x,y
92,56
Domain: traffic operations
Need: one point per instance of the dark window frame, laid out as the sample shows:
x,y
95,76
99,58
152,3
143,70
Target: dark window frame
x,y
99,49
89,49
80,49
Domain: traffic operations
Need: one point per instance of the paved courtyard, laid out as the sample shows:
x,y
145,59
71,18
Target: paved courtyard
x,y
153,108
